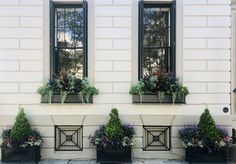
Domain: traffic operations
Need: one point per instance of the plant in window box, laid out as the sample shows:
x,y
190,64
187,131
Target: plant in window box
x,y
113,140
160,87
20,143
67,89
205,142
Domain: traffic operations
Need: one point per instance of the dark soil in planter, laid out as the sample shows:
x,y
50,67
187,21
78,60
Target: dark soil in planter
x,y
113,156
71,98
29,154
202,155
153,98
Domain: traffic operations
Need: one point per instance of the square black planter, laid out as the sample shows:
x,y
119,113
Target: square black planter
x,y
203,155
153,98
71,98
29,154
114,155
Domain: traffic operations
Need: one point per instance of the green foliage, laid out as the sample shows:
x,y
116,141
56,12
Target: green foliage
x,y
66,84
48,89
137,90
208,128
160,84
113,129
161,96
87,90
21,128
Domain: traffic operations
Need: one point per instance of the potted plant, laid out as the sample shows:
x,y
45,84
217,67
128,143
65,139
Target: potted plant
x,y
205,142
160,87
20,143
113,140
67,89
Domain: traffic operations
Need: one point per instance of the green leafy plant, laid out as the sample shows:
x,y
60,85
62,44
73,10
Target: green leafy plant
x,y
87,91
161,84
208,128
114,134
48,89
161,96
67,84
21,134
21,128
137,90
205,135
113,127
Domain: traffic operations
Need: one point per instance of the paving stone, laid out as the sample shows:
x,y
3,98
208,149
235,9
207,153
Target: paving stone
x,y
175,162
53,162
153,161
81,162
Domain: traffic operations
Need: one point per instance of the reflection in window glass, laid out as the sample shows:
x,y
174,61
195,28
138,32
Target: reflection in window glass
x,y
157,38
69,41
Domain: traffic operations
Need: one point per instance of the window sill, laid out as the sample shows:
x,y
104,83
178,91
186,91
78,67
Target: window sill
x,y
151,98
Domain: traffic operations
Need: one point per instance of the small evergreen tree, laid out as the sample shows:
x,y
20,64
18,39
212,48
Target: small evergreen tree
x,y
21,128
207,127
113,129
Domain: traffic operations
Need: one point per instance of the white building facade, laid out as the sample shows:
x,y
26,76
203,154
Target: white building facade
x,y
204,59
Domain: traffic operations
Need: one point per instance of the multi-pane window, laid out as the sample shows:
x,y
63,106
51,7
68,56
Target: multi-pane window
x,y
69,39
156,38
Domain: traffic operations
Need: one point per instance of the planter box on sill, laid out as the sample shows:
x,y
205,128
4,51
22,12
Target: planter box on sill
x,y
202,155
28,154
151,98
114,155
71,98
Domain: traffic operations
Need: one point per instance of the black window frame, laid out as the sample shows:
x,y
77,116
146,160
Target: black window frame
x,y
84,6
155,4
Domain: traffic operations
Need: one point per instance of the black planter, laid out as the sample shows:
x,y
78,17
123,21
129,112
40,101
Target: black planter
x,y
202,155
114,155
151,98
71,98
29,154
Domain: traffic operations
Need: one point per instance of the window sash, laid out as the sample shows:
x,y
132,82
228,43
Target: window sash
x,y
170,59
54,46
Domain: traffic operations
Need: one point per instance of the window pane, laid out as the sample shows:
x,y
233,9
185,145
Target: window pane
x,y
69,41
60,17
79,37
156,27
70,61
155,60
70,18
156,39
79,18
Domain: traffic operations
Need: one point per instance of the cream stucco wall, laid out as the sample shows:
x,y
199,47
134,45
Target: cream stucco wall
x,y
203,63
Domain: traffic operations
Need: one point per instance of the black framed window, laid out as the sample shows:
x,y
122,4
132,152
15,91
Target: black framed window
x,y
156,37
69,39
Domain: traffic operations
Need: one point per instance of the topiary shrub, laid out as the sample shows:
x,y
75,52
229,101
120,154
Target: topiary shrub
x,y
21,129
113,129
208,128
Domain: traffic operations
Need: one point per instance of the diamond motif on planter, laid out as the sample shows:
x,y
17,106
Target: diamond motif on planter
x,y
68,138
156,138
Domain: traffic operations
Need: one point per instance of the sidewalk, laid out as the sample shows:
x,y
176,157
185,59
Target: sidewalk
x,y
136,161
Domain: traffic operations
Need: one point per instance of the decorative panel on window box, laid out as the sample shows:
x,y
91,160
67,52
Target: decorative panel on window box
x,y
156,138
153,98
71,98
69,138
